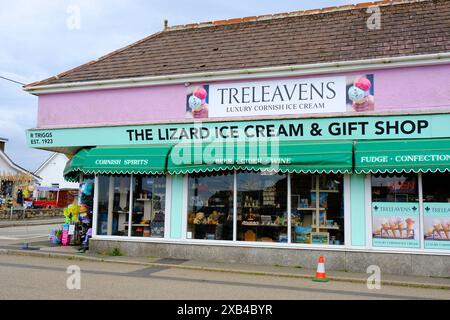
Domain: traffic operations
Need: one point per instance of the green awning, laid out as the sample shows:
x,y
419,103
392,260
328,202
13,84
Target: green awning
x,y
123,160
390,156
286,156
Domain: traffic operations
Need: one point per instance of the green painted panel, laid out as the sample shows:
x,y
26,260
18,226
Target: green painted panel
x,y
358,206
176,211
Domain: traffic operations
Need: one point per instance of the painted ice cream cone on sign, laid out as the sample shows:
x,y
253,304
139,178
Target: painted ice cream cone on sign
x,y
437,228
394,227
409,227
400,227
386,228
446,228
360,95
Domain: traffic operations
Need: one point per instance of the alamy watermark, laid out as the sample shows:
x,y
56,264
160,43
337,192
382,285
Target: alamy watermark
x,y
374,21
74,280
374,280
73,21
261,153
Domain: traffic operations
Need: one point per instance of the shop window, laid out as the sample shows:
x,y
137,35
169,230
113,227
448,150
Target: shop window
x,y
210,206
317,207
436,210
113,205
395,211
261,207
149,197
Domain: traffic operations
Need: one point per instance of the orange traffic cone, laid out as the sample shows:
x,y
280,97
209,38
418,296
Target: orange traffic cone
x,y
320,274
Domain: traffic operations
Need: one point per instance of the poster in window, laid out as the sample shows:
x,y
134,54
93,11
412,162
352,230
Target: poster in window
x,y
437,225
395,224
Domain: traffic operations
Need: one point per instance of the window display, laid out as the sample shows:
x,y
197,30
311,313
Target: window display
x,y
210,206
261,207
395,211
317,208
149,197
113,205
436,210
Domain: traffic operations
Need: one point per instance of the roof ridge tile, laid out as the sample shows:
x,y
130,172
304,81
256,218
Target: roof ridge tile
x,y
290,14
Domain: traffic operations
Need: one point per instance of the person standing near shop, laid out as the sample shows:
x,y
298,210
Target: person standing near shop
x,y
20,197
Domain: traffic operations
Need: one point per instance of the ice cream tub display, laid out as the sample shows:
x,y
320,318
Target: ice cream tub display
x,y
395,224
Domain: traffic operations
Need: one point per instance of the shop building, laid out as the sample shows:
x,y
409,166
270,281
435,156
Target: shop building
x,y
269,139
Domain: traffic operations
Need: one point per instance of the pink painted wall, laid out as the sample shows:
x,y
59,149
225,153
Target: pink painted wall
x,y
407,89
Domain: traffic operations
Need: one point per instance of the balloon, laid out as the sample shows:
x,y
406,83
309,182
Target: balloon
x,y
356,95
88,188
200,93
363,83
194,102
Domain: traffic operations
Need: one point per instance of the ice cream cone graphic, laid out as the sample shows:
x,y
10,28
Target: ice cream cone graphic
x,y
386,228
446,228
438,228
400,227
394,227
409,227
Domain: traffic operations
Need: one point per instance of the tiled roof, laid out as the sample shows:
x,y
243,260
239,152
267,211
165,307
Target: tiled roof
x,y
304,37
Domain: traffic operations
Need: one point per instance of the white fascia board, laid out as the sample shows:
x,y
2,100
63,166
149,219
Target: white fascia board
x,y
46,162
254,73
16,167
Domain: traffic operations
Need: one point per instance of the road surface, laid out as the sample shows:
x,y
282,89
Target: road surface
x,y
26,277
13,235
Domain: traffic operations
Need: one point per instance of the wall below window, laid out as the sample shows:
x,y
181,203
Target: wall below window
x,y
352,261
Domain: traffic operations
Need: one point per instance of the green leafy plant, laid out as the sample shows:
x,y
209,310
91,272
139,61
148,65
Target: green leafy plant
x,y
116,252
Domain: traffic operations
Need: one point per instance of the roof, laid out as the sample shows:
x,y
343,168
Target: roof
x,y
48,161
45,163
413,27
17,167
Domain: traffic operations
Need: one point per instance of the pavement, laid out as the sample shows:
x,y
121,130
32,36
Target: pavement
x,y
37,237
30,222
33,277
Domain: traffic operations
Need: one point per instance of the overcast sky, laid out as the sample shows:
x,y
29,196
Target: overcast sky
x,y
36,43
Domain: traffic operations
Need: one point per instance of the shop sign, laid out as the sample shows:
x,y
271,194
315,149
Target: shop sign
x,y
436,225
355,128
405,158
281,97
395,224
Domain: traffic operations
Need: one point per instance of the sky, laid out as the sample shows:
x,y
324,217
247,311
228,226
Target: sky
x,y
37,41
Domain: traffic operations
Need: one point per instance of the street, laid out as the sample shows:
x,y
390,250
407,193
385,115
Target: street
x,y
14,235
25,277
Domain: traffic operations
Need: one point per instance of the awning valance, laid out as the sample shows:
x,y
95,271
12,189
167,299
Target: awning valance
x,y
119,160
390,156
286,156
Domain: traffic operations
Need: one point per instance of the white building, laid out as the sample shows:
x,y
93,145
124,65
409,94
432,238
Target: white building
x,y
51,173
